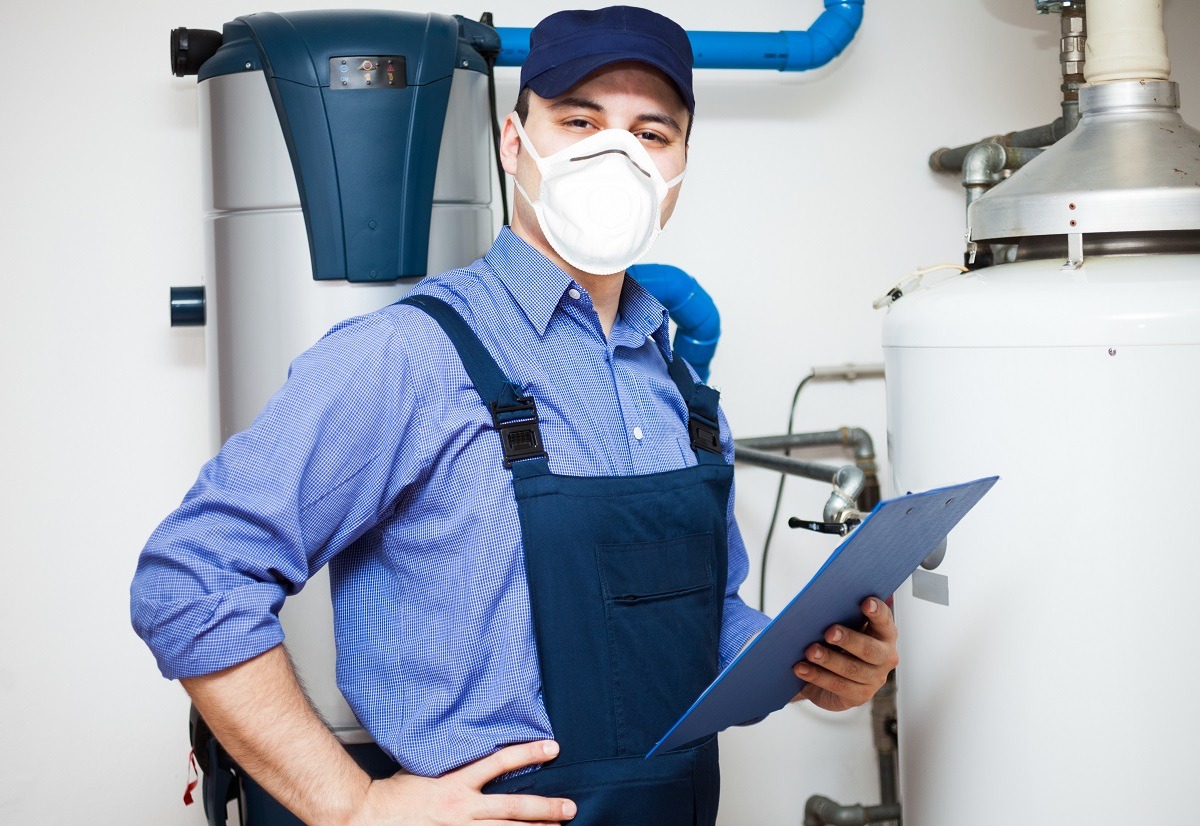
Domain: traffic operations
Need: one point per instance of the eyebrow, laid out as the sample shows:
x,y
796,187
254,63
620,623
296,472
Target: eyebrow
x,y
591,105
665,120
576,103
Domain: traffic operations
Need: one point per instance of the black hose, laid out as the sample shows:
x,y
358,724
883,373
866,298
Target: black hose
x,y
490,59
762,578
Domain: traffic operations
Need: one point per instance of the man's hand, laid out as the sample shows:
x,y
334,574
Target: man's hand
x,y
457,798
849,674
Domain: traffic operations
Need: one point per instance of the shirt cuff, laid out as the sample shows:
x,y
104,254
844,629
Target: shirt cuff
x,y
200,636
739,624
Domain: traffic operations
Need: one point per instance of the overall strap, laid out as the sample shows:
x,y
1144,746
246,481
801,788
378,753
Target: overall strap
x,y
703,424
513,414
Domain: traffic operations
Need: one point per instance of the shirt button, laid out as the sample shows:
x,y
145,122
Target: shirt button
x,y
637,433
574,293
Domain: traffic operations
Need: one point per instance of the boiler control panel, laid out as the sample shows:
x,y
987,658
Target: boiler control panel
x,y
367,72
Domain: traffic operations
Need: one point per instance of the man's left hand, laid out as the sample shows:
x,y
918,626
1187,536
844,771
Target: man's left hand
x,y
854,665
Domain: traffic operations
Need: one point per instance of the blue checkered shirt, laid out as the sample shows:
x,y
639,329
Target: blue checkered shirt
x,y
378,458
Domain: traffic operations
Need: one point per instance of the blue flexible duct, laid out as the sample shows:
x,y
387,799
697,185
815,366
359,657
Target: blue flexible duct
x,y
698,324
791,51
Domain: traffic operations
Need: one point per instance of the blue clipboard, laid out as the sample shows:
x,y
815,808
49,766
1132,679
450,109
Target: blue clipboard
x,y
875,560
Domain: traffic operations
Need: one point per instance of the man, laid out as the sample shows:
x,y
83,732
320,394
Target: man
x,y
526,504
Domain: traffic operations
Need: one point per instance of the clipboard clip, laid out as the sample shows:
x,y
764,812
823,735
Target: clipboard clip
x,y
836,528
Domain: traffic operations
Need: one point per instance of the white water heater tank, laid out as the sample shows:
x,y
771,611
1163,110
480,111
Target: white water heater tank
x,y
1047,661
265,308
1054,686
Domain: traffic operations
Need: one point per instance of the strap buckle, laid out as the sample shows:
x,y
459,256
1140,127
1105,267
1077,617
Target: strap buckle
x,y
705,433
520,436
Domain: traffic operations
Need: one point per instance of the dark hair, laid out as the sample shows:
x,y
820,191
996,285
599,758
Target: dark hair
x,y
522,110
522,107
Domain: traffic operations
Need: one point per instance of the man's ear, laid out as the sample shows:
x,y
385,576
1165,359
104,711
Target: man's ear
x,y
510,145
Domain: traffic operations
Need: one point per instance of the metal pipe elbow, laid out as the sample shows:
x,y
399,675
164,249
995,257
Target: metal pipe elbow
x,y
984,161
826,38
848,483
821,811
860,442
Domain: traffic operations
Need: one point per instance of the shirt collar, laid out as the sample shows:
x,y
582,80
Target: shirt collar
x,y
647,316
535,282
538,286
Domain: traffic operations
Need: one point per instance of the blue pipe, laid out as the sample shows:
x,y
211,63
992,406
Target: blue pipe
x,y
792,51
697,322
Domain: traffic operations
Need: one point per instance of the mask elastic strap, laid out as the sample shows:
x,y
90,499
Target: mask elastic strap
x,y
524,194
677,178
528,144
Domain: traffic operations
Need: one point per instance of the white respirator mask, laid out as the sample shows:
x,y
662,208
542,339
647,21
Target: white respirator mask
x,y
600,203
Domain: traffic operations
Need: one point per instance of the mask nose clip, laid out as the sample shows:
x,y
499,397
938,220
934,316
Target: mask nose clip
x,y
621,152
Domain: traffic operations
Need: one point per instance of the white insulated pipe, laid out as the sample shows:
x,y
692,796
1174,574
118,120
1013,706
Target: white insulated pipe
x,y
1125,41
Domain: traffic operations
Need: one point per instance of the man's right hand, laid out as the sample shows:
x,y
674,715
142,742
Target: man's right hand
x,y
457,797
260,715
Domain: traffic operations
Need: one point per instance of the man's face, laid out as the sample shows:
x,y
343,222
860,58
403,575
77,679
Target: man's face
x,y
630,96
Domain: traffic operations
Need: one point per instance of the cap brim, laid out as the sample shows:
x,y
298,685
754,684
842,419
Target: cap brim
x,y
560,79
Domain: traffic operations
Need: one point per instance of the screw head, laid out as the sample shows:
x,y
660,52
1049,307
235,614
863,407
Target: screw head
x,y
1112,351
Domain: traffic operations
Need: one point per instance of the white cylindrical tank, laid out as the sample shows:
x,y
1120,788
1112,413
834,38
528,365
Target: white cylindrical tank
x,y
1054,686
264,307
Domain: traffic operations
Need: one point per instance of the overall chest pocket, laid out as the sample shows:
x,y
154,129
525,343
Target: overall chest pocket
x,y
663,618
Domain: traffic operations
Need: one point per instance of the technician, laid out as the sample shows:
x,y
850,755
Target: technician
x,y
525,502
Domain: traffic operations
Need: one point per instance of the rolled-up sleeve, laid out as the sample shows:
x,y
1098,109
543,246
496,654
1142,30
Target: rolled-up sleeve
x,y
323,463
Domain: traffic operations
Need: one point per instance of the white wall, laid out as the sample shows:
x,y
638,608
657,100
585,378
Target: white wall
x,y
807,196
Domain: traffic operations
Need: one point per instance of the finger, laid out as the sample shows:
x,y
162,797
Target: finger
x,y
857,645
486,769
848,667
880,621
524,808
875,650
830,690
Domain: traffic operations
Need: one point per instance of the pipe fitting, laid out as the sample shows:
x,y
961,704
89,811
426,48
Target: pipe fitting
x,y
821,811
986,162
826,37
859,441
982,164
1071,51
946,159
848,483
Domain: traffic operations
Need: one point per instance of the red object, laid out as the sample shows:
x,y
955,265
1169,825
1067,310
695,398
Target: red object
x,y
193,772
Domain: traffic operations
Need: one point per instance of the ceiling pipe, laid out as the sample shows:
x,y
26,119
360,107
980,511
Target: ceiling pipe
x,y
786,51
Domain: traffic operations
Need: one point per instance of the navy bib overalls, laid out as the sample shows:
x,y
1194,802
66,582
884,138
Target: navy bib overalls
x,y
626,583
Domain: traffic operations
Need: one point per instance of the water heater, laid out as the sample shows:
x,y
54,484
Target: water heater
x,y
345,154
1046,659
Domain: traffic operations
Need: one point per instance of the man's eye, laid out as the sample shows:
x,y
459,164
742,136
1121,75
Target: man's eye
x,y
651,136
579,123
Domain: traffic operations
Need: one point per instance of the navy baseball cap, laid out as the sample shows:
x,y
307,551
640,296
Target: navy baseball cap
x,y
569,45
